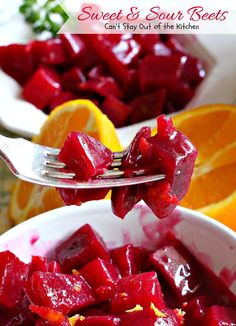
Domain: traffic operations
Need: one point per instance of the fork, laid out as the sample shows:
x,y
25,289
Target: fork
x,y
40,165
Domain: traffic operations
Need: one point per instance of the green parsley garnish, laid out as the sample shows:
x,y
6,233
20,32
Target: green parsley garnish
x,y
45,15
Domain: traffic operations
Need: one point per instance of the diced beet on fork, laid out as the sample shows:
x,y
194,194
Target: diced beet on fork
x,y
80,248
160,71
85,156
178,272
129,259
16,61
141,289
150,317
79,196
42,87
220,316
104,280
50,52
98,321
116,110
13,275
123,199
60,292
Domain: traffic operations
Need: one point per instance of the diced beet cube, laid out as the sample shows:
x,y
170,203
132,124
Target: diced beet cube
x,y
160,71
38,264
85,156
104,86
220,316
50,52
42,87
16,61
72,78
128,259
80,248
151,44
60,292
104,280
19,315
54,267
177,271
97,71
117,52
163,317
148,106
195,310
50,315
174,45
74,45
116,110
193,71
79,196
131,87
61,98
41,322
180,96
141,289
98,321
13,275
173,155
123,199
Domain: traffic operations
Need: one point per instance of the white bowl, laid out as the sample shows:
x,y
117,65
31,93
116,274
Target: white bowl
x,y
211,242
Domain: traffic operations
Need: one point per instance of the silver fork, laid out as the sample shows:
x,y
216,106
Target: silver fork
x,y
39,164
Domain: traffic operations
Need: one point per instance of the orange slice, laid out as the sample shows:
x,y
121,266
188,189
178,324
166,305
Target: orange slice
x,y
213,187
28,200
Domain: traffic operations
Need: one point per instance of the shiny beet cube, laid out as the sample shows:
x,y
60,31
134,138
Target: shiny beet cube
x,y
220,316
85,156
160,71
98,321
79,196
105,278
38,263
123,199
16,61
42,87
73,44
103,86
61,98
61,292
150,317
80,248
116,110
51,52
72,78
13,275
49,315
128,259
177,271
141,289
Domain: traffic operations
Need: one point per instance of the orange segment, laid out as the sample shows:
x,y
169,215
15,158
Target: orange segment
x,y
213,186
29,200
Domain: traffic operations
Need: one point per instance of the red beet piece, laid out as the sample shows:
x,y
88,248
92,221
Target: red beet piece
x,y
96,72
72,78
163,317
117,111
42,87
13,275
174,155
98,321
104,280
80,248
104,86
74,45
50,52
196,310
61,98
41,322
148,106
60,292
54,267
160,71
220,316
16,61
128,259
174,45
86,156
123,199
78,196
178,271
193,71
180,96
38,263
151,44
141,289
50,315
117,52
